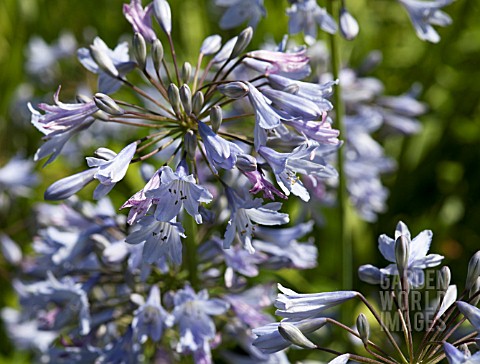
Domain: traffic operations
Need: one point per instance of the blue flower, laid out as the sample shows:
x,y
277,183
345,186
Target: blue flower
x,y
119,58
294,65
178,189
192,314
17,177
162,239
472,313
140,18
456,356
306,15
150,318
424,14
240,11
109,172
244,211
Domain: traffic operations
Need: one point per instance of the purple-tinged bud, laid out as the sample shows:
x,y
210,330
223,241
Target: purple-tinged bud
x,y
157,54
473,270
234,90
163,14
401,253
198,100
370,274
140,50
348,25
104,62
186,97
246,163
293,334
190,144
66,187
174,98
216,117
363,328
211,45
242,43
107,104
445,278
186,72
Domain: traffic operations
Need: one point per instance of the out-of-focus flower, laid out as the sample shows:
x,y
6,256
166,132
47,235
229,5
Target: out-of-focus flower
x,y
239,11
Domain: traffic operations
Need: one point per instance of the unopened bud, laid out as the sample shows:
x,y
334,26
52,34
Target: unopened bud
x,y
242,43
163,14
190,144
363,328
216,117
309,326
140,50
105,153
197,102
370,274
445,278
211,45
293,334
157,54
83,99
292,89
246,163
186,97
66,187
348,25
401,253
103,61
107,104
174,98
473,270
473,292
234,90
186,72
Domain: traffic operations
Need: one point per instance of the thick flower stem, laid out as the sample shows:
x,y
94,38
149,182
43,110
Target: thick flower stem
x,y
345,235
190,254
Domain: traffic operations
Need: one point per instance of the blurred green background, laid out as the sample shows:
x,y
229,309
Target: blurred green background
x,y
436,186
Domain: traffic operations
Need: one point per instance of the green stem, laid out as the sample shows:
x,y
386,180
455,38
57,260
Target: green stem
x,y
345,235
190,253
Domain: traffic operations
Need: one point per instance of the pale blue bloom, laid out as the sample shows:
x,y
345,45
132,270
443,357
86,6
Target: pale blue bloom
x,y
124,350
192,314
456,356
302,306
119,57
424,14
306,15
244,211
109,172
17,177
294,65
162,239
471,312
10,249
178,189
220,152
150,319
239,11
140,18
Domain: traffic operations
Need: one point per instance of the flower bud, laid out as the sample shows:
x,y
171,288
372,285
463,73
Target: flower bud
x,y
106,103
216,117
10,250
157,54
445,277
211,45
363,328
293,334
190,144
348,25
242,43
186,72
174,98
312,325
370,274
186,97
66,187
103,61
246,163
140,50
105,153
234,90
401,253
473,270
474,290
197,102
163,15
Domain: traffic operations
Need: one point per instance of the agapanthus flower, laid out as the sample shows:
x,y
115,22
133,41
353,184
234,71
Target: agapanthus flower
x,y
140,18
192,313
239,11
456,356
424,14
17,177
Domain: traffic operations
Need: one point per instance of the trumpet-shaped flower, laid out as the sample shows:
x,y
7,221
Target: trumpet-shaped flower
x,y
306,15
140,18
239,11
456,356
